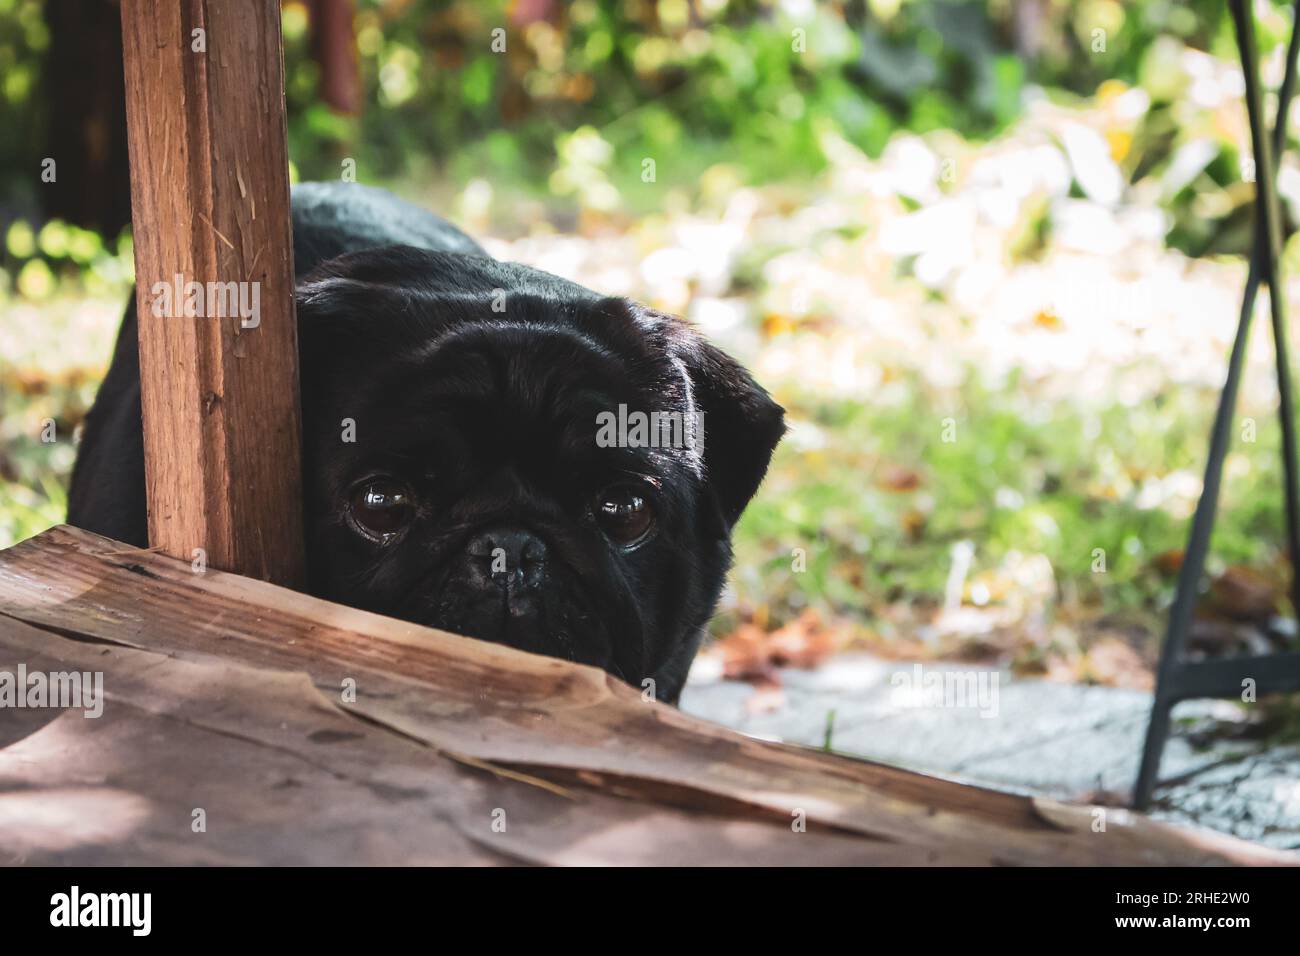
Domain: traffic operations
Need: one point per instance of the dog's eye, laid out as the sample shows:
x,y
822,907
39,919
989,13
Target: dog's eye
x,y
381,507
623,514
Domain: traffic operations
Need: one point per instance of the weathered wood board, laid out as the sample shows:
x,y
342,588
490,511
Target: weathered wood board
x,y
229,696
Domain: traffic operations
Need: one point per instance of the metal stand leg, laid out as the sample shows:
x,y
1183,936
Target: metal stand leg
x,y
1174,678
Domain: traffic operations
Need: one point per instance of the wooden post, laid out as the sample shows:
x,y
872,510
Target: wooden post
x,y
210,204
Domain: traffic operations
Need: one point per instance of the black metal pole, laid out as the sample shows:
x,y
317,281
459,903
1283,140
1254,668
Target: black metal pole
x,y
1263,266
1266,212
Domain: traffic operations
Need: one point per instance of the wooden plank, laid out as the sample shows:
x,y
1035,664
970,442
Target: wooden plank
x,y
210,204
549,724
284,776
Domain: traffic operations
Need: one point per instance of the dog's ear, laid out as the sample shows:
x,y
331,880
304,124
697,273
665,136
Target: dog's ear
x,y
742,424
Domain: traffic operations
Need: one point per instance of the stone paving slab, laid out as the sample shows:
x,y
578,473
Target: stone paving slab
x,y
1031,736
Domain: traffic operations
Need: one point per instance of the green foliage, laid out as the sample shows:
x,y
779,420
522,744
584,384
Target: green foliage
x,y
749,82
23,41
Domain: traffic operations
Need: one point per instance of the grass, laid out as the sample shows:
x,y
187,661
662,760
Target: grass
x,y
34,473
877,498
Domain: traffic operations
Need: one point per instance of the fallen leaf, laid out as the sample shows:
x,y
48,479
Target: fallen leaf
x,y
1114,663
898,478
913,522
744,654
1047,319
1244,594
805,642
751,654
775,324
1168,562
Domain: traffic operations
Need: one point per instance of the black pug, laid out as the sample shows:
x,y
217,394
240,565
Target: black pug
x,y
454,470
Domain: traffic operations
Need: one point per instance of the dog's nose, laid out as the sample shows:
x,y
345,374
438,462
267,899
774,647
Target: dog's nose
x,y
510,558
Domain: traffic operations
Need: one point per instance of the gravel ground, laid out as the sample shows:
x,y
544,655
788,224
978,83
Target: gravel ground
x,y
1042,737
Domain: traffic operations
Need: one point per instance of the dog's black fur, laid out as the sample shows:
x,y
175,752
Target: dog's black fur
x,y
485,421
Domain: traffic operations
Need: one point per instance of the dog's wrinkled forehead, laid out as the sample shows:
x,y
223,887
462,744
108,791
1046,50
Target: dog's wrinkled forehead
x,y
556,385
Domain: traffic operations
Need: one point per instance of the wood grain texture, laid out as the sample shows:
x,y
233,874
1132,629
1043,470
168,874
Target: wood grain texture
x,y
640,781
210,203
284,776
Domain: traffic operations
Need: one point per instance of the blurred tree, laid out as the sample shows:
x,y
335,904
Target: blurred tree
x,y
495,89
86,116
335,50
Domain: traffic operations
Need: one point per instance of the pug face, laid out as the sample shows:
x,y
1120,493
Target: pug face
x,y
463,467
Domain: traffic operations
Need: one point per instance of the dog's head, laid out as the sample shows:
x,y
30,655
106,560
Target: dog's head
x,y
497,452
